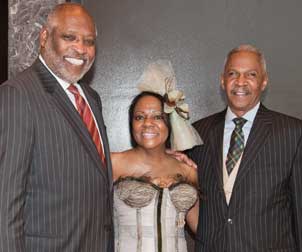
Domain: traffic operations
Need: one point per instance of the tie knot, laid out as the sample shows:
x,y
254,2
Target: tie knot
x,y
239,121
73,89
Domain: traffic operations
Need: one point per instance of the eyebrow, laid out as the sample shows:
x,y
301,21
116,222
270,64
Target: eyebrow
x,y
153,111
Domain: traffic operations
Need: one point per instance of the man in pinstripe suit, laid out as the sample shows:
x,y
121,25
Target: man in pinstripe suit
x,y
257,205
55,191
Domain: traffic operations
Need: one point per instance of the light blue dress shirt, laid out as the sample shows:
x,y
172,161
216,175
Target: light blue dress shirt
x,y
229,126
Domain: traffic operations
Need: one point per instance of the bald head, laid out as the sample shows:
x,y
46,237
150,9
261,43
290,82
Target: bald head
x,y
64,10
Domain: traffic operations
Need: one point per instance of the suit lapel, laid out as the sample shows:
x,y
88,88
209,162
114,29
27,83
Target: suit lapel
x,y
259,134
216,143
62,102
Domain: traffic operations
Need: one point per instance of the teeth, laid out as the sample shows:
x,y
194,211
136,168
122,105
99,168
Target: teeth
x,y
240,93
149,135
74,61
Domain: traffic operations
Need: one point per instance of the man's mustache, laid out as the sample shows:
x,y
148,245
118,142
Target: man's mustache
x,y
241,90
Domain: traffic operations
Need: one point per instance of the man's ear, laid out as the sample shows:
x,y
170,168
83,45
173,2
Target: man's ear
x,y
264,82
222,81
43,37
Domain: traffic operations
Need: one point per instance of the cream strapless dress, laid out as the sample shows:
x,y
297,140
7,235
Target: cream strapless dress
x,y
148,218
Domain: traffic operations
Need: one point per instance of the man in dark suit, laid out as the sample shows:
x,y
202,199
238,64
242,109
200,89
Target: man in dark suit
x,y
55,169
250,167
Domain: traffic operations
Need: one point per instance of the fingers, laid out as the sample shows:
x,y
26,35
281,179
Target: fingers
x,y
182,158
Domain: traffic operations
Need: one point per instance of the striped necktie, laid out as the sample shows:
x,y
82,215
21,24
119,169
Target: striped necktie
x,y
236,144
86,115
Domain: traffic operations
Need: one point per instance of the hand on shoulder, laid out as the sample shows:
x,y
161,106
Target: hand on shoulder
x,y
182,158
190,174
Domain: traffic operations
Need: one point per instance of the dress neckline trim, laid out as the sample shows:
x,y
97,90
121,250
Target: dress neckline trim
x,y
145,179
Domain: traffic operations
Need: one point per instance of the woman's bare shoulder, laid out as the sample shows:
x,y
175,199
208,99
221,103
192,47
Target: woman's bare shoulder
x,y
124,163
120,156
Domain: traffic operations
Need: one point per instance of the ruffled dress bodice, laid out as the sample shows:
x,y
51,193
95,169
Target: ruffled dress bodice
x,y
149,218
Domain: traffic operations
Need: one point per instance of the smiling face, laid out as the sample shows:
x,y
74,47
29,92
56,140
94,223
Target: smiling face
x,y
149,128
68,43
243,81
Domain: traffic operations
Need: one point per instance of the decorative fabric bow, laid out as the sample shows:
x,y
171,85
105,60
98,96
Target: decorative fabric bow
x,y
159,77
174,101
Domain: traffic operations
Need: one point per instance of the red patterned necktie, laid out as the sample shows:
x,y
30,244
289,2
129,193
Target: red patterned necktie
x,y
88,119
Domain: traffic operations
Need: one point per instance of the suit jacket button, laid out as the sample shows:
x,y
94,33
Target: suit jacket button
x,y
230,221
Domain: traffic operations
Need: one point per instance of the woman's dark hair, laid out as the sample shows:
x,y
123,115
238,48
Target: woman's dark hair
x,y
131,114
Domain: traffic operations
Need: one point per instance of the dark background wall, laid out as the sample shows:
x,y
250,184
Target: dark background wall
x,y
3,39
195,36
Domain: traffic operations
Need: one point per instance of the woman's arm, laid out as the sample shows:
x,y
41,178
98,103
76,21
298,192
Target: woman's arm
x,y
192,217
193,213
116,171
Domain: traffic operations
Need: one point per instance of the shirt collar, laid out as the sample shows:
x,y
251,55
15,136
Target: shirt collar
x,y
249,116
63,83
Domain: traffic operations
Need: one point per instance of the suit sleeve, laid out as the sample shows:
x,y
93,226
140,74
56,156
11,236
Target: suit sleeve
x,y
296,190
16,139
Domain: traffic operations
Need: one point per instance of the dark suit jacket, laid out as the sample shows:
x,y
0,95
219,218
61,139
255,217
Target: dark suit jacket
x,y
265,209
55,195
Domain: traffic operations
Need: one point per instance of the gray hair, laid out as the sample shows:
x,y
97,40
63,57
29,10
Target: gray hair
x,y
247,48
50,20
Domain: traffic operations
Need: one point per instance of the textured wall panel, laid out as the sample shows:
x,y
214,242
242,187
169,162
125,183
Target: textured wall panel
x,y
25,20
195,35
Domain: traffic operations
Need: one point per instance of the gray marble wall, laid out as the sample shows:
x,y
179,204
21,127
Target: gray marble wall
x,y
25,20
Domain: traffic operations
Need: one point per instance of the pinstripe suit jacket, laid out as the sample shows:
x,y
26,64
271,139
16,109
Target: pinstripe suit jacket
x,y
55,195
265,209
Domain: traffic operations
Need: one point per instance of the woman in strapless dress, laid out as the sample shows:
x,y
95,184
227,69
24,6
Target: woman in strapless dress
x,y
154,194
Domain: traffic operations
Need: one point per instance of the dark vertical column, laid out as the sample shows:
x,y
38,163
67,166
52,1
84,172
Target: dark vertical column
x,y
3,40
